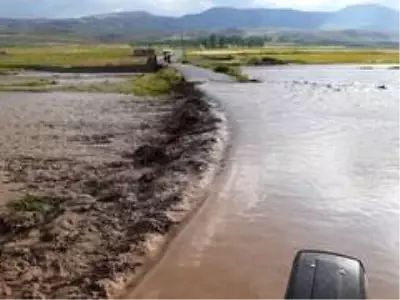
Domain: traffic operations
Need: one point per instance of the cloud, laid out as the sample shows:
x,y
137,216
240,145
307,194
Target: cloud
x,y
326,4
74,8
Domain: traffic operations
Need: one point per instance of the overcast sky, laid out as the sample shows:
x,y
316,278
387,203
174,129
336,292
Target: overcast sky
x,y
74,8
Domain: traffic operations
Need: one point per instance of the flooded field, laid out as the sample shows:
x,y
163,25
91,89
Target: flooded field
x,y
314,164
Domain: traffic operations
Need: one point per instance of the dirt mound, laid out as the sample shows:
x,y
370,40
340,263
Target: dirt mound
x,y
85,228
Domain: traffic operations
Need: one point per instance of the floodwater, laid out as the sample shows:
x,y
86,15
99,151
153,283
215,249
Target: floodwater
x,y
314,164
68,78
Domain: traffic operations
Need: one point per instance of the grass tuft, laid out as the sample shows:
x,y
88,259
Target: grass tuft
x,y
156,84
231,71
33,204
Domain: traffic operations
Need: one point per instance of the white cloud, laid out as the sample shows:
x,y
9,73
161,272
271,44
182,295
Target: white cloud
x,y
324,4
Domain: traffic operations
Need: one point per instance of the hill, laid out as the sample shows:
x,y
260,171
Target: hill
x,y
139,24
366,17
222,18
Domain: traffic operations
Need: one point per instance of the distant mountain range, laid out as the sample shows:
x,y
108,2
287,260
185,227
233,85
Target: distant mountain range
x,y
359,17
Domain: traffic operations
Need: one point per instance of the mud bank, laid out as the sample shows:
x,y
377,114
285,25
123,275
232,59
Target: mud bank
x,y
84,228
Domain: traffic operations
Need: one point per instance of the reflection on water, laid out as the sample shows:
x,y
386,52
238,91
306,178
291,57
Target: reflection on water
x,y
314,165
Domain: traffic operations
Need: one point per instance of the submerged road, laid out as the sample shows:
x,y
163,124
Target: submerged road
x,y
314,164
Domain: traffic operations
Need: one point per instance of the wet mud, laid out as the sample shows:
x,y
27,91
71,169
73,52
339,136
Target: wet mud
x,y
101,180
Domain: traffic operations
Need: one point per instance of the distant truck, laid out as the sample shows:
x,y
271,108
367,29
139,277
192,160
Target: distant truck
x,y
141,52
167,54
151,56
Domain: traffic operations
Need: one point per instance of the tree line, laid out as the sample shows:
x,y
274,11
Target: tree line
x,y
215,41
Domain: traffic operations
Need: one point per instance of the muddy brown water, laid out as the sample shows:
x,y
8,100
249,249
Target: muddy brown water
x,y
314,164
66,78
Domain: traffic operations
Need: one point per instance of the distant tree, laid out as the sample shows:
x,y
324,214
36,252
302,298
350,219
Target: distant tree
x,y
255,41
222,41
212,41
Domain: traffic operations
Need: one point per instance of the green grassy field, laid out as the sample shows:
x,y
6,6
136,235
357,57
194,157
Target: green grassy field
x,y
301,55
68,56
120,55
